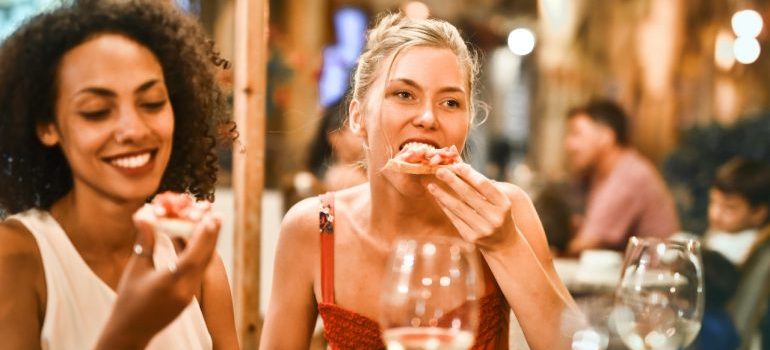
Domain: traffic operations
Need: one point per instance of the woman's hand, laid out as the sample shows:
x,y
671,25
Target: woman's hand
x,y
149,298
477,207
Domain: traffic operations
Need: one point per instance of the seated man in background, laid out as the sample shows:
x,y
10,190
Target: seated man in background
x,y
624,193
739,202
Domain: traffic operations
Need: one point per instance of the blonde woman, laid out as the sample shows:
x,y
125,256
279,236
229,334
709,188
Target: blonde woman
x,y
414,83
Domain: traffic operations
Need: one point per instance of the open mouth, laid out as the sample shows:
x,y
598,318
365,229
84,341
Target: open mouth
x,y
132,160
414,144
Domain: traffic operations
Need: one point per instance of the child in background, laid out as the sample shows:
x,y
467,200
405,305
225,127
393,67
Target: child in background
x,y
739,202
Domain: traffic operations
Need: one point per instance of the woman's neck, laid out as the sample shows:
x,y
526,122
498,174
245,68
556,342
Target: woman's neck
x,y
96,223
394,213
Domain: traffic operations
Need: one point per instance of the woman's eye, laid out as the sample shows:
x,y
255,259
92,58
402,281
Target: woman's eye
x,y
404,95
452,103
154,106
95,114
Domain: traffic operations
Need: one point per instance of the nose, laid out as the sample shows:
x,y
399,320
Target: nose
x,y
426,119
131,127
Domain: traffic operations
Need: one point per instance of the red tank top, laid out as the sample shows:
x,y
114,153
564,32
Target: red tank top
x,y
346,329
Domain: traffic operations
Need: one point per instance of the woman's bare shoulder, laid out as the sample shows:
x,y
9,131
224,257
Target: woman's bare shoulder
x,y
301,220
17,243
21,264
22,287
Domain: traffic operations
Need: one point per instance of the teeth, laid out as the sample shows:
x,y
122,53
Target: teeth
x,y
132,161
418,144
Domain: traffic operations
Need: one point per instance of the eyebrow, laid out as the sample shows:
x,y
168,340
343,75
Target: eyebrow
x,y
109,93
414,84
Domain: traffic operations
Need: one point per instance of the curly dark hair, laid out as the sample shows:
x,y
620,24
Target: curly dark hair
x,y
35,176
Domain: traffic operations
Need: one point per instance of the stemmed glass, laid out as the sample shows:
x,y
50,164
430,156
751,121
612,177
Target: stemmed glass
x,y
430,294
659,300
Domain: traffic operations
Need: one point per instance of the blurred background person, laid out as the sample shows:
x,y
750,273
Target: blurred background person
x,y
336,154
623,193
738,208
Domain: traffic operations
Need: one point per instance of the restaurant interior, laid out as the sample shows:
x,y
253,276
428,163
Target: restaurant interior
x,y
692,76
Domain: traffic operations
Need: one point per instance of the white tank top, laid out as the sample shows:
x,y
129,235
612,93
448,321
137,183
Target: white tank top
x,y
79,302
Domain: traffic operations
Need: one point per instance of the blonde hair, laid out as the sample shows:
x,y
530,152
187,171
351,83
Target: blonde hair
x,y
394,33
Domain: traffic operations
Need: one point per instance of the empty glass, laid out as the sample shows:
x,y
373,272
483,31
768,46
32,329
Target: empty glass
x,y
659,300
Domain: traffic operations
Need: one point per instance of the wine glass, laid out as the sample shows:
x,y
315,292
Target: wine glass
x,y
430,294
659,300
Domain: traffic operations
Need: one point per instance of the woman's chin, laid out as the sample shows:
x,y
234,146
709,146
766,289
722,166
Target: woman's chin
x,y
414,186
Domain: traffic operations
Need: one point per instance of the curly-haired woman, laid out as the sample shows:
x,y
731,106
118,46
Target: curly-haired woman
x,y
102,105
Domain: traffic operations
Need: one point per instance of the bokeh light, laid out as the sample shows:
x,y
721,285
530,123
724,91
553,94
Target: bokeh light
x,y
746,50
521,41
747,23
724,57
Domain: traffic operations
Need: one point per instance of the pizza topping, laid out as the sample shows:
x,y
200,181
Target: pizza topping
x,y
173,205
420,153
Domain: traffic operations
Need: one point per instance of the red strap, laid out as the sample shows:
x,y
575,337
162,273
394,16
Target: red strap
x,y
326,227
489,279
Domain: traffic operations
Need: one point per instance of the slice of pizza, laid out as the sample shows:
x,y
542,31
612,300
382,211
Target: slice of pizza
x,y
176,214
420,158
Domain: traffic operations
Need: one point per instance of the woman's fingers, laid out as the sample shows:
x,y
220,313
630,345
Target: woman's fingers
x,y
145,236
200,248
460,210
462,189
469,198
481,183
476,190
466,231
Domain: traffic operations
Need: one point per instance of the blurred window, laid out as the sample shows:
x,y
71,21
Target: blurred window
x,y
339,59
14,12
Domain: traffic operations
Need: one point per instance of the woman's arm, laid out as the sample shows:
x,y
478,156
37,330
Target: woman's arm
x,y
292,312
531,228
22,288
501,221
217,304
525,272
149,299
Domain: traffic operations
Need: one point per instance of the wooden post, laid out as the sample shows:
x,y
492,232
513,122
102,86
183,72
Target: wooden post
x,y
251,19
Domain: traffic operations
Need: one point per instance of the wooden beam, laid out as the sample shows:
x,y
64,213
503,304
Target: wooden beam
x,y
250,60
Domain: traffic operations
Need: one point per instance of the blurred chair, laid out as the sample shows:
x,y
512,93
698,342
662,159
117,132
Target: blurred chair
x,y
751,298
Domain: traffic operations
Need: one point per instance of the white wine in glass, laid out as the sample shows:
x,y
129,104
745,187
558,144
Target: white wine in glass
x,y
430,295
659,300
